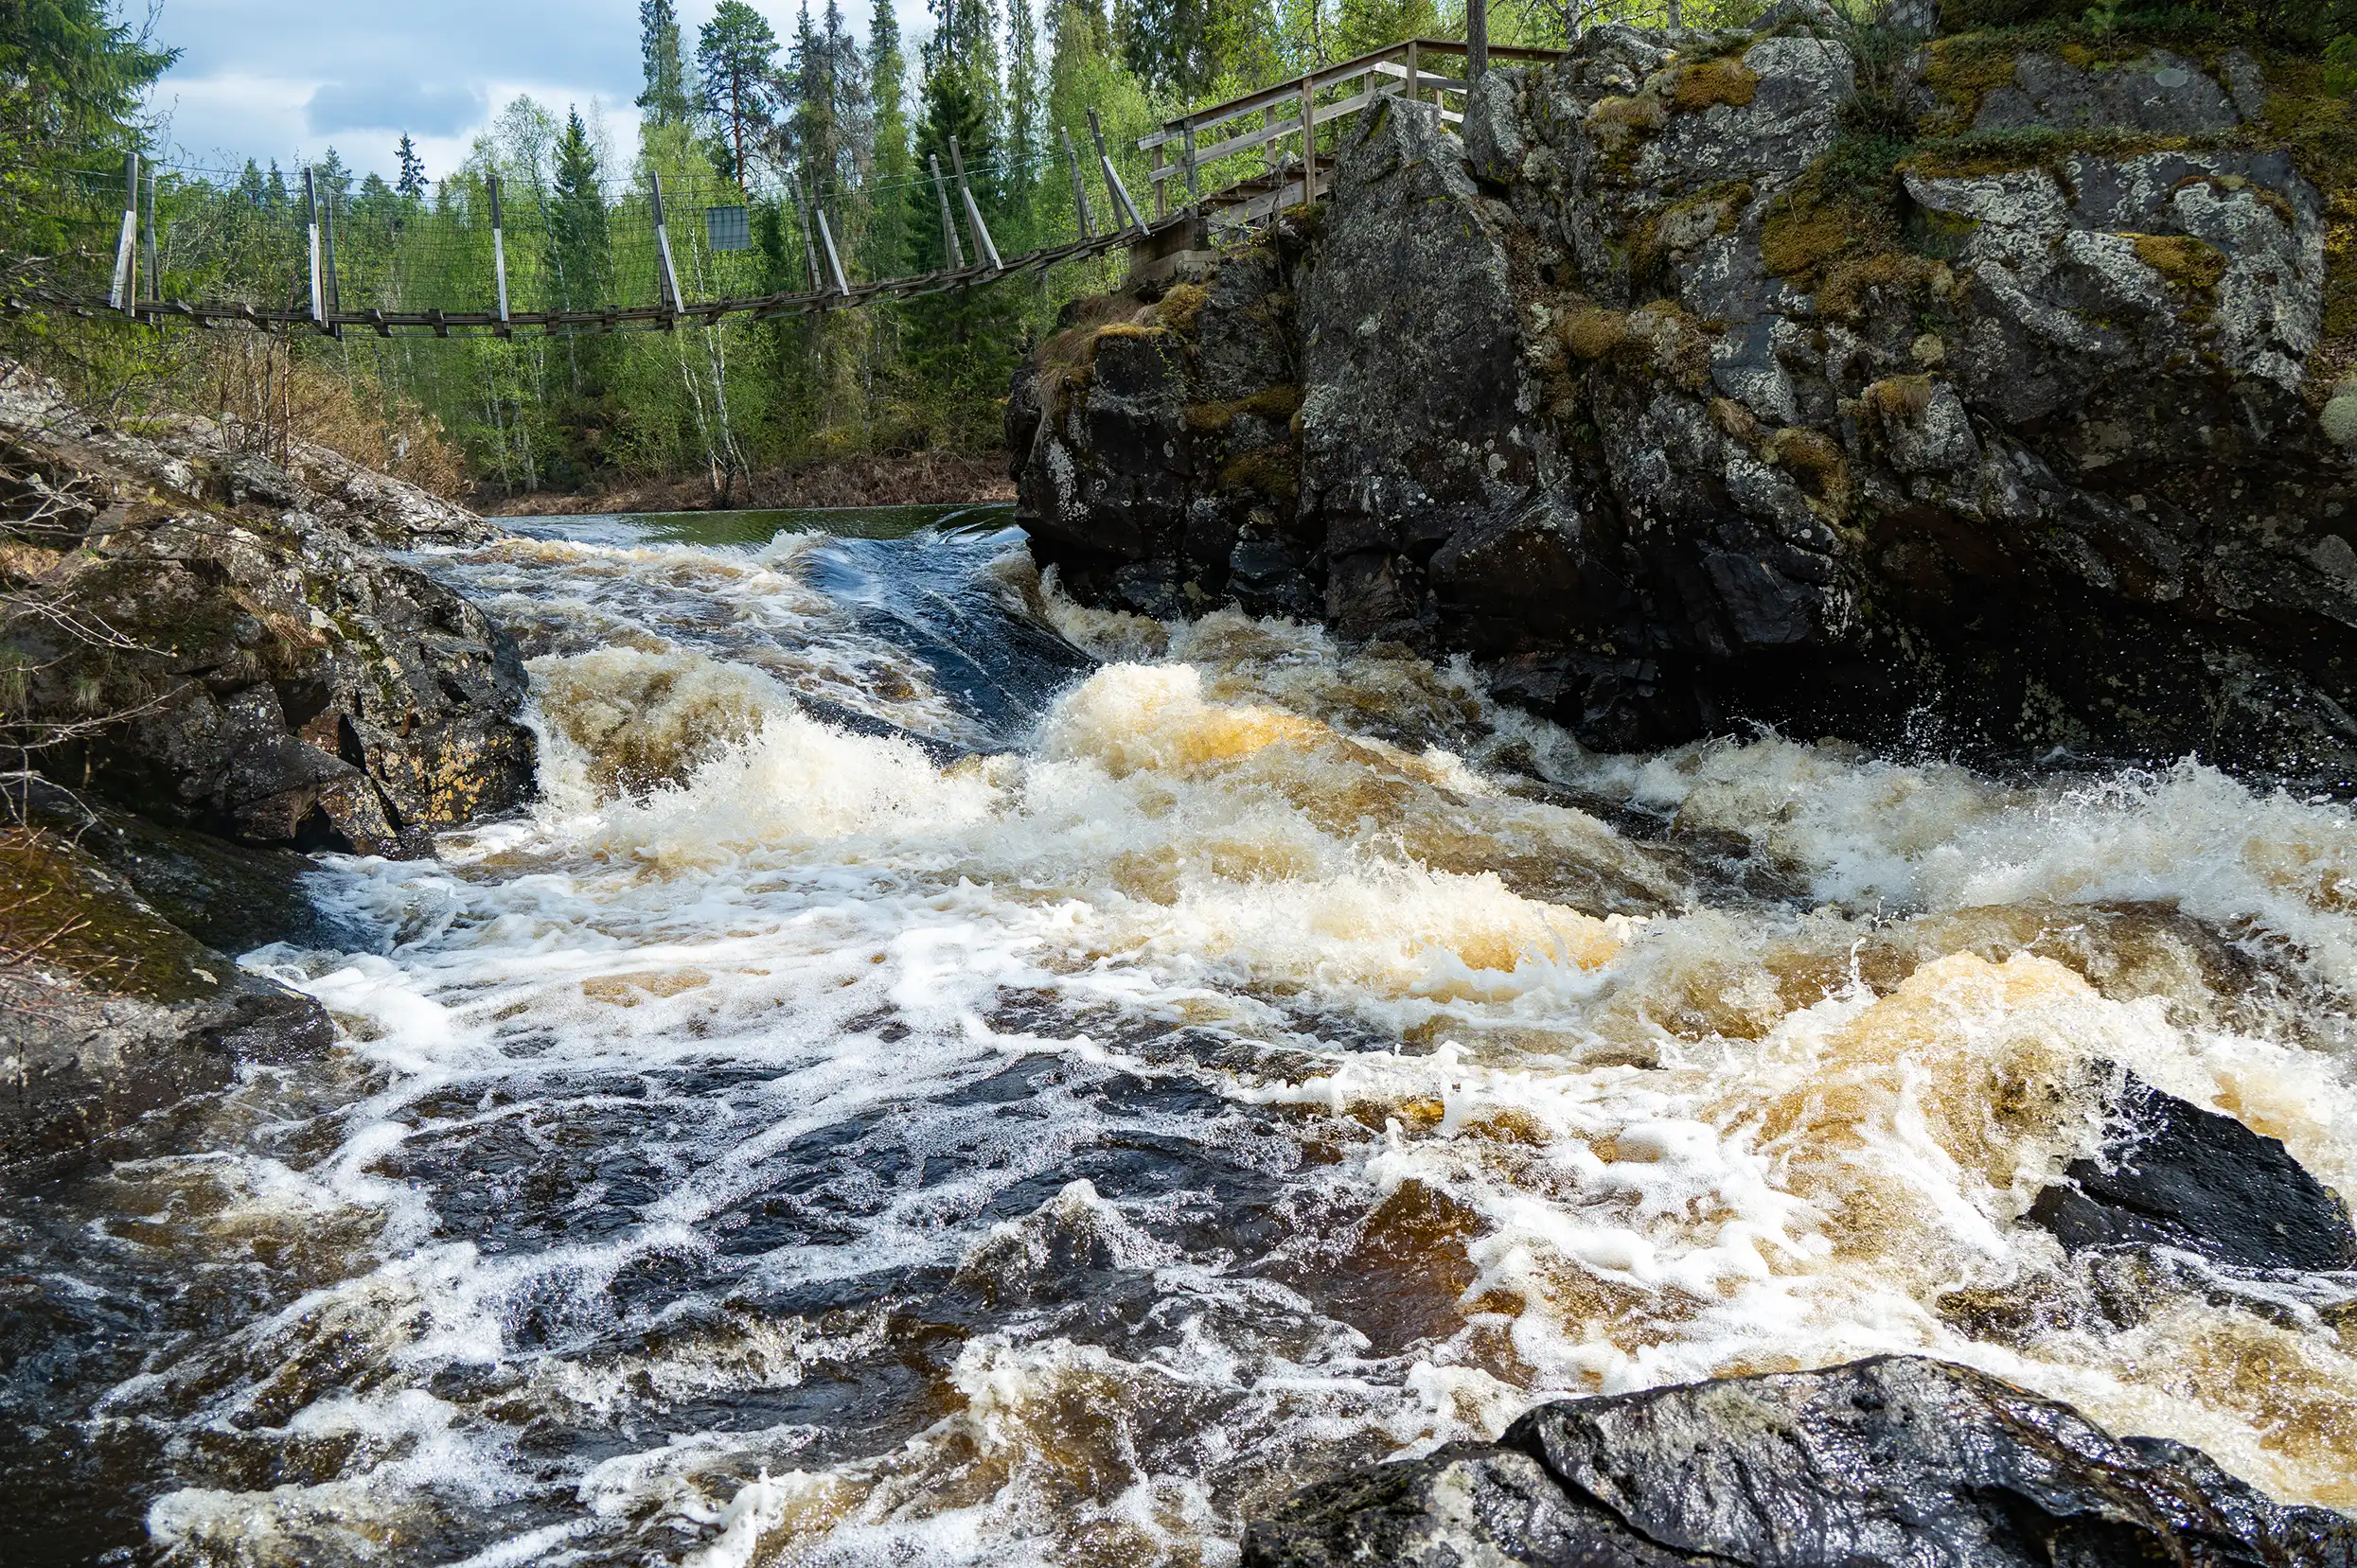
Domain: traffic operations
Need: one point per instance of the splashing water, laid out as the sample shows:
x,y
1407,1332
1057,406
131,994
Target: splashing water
x,y
945,1075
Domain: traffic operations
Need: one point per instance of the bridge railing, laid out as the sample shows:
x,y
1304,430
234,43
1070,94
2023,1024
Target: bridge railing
x,y
1209,139
484,254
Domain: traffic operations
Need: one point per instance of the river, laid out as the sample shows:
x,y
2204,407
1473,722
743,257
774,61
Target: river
x,y
949,1076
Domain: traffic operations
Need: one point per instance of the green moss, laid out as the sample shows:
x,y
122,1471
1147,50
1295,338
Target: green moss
x,y
59,912
1177,309
2186,262
1714,81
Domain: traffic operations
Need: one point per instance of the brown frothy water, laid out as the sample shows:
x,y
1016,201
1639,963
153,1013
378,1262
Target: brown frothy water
x,y
797,1144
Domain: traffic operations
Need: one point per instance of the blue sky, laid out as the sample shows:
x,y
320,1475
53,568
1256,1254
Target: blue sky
x,y
288,79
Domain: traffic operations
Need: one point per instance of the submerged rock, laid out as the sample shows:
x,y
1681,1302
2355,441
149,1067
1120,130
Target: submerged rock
x,y
2174,1176
207,640
1662,397
1898,1459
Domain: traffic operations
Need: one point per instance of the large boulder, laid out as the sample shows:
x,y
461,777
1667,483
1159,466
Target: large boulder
x,y
1898,1459
204,638
1723,377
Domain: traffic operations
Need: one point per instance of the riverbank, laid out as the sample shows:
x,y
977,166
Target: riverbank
x,y
906,479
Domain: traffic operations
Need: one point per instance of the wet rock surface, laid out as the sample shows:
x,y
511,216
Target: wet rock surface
x,y
2174,1176
209,641
109,1012
1645,396
1894,1459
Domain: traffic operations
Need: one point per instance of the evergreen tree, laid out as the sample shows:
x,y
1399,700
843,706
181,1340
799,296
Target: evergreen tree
x,y
71,80
889,161
1023,112
968,339
816,135
412,182
665,98
335,179
576,219
735,57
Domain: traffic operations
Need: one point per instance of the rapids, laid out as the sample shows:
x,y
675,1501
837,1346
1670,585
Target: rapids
x,y
949,1076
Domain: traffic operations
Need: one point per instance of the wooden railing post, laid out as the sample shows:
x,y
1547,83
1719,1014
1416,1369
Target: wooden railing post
x,y
1080,187
310,223
670,278
809,246
147,240
1412,87
1195,185
498,251
834,262
973,212
1114,190
953,254
124,296
1161,204
1309,140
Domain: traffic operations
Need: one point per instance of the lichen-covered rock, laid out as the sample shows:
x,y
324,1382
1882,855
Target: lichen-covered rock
x,y
1898,1459
191,640
1663,399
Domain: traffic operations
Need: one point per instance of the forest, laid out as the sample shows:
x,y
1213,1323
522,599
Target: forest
x,y
744,120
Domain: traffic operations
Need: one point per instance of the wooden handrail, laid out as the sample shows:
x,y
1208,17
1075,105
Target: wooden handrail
x,y
1203,119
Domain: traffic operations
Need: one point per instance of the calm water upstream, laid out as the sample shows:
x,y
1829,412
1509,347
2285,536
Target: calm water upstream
x,y
946,1076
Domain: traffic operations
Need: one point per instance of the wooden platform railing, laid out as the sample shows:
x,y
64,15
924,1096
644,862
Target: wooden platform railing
x,y
1395,70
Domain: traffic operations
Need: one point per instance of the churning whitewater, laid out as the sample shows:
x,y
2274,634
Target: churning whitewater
x,y
944,1075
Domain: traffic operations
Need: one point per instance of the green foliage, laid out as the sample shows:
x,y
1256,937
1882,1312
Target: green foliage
x,y
736,55
664,99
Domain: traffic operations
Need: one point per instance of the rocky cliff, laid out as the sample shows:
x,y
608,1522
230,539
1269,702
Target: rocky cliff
x,y
205,664
208,639
1981,390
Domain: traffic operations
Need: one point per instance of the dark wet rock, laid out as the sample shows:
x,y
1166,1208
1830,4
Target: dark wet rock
x,y
266,676
1894,1459
2172,1175
1636,398
108,1012
232,897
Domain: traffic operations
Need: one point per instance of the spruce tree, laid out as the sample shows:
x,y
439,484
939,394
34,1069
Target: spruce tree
x,y
1024,105
412,182
889,162
664,99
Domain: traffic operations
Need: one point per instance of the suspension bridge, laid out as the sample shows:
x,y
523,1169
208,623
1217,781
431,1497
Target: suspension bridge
x,y
1216,170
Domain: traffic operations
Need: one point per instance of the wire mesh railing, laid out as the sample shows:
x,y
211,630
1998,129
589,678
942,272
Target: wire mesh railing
x,y
479,252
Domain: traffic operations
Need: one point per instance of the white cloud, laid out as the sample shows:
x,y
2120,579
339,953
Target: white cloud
x,y
284,78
